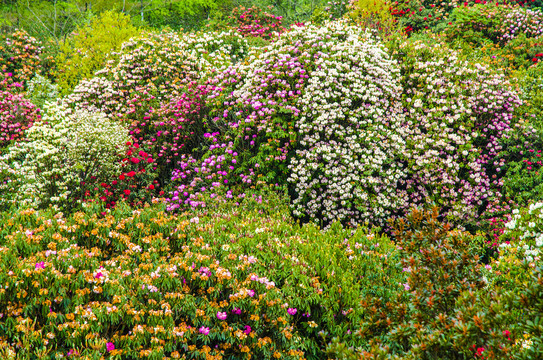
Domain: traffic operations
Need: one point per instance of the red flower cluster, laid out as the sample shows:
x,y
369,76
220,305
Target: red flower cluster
x,y
255,22
132,182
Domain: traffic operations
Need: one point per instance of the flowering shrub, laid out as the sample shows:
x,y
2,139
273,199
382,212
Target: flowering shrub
x,y
522,20
479,23
19,55
175,129
454,130
147,283
17,114
64,153
415,15
346,165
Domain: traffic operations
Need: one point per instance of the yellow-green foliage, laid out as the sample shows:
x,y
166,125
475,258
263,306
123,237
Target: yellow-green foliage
x,y
86,50
374,14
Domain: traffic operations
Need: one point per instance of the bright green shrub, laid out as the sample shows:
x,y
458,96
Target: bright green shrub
x,y
64,153
90,46
374,14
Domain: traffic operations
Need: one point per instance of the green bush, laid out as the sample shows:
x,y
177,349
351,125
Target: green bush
x,y
87,49
477,24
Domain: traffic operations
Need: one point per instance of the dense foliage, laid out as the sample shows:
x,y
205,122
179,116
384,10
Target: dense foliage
x,y
340,180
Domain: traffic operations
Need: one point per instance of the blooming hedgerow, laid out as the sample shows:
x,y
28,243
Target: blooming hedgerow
x,y
64,153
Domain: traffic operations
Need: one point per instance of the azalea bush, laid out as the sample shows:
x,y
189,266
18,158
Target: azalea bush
x,y
454,130
269,127
149,283
521,20
255,22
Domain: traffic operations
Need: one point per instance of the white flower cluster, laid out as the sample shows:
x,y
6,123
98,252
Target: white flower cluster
x,y
64,153
525,229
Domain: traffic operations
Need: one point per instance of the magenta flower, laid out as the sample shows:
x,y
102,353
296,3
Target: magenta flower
x,y
247,329
40,265
110,346
251,293
98,275
292,311
204,330
221,315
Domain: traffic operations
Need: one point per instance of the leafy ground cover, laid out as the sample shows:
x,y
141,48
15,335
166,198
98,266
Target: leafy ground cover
x,y
361,185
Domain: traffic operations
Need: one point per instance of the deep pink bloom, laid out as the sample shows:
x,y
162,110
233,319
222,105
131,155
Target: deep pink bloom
x,y
204,330
292,311
40,265
236,311
247,329
110,346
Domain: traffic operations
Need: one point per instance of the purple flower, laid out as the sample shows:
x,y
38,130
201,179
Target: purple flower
x,y
40,265
292,311
247,329
110,346
251,293
204,330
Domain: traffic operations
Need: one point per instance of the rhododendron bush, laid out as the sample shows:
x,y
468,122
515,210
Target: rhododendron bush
x,y
64,153
17,113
